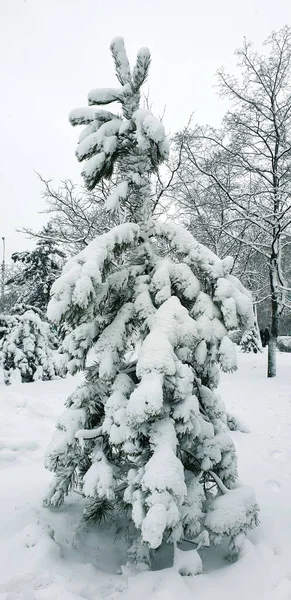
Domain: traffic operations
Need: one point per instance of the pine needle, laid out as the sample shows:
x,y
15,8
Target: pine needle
x,y
98,510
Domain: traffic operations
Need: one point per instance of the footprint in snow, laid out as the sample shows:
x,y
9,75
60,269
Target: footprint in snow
x,y
278,454
12,448
283,590
7,455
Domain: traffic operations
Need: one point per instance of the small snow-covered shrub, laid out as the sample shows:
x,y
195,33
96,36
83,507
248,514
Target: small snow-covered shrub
x,y
251,341
25,349
6,324
284,343
145,435
236,424
232,514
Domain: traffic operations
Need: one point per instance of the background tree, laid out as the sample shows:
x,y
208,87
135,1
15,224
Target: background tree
x,y
13,273
39,268
256,142
75,214
251,339
26,352
145,436
203,204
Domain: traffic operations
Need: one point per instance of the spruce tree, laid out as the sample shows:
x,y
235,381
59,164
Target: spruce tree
x,y
251,342
145,436
251,339
40,268
26,352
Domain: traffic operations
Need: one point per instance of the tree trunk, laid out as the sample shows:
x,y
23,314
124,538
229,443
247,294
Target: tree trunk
x,y
272,356
256,324
272,347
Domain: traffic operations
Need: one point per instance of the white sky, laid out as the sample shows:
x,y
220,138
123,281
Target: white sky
x,y
53,52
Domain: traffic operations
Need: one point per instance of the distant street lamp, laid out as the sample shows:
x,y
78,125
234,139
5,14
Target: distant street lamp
x,y
3,269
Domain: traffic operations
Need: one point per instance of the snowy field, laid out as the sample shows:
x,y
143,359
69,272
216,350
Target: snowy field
x,y
51,555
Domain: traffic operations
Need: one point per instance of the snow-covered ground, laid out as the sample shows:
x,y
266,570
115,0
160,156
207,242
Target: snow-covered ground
x,y
51,555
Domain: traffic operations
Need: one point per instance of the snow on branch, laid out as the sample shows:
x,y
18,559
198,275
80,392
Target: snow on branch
x,y
120,193
219,483
98,140
232,513
150,125
82,116
111,342
235,300
90,117
87,434
93,169
120,60
105,95
99,480
141,68
170,327
184,243
105,115
83,273
177,275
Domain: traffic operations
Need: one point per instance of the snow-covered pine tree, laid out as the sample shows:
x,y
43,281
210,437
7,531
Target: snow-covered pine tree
x,y
40,268
146,433
26,352
6,324
251,339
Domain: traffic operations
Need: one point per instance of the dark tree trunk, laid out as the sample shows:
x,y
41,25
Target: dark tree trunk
x,y
275,314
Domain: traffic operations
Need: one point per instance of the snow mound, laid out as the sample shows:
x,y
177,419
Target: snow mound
x,y
187,563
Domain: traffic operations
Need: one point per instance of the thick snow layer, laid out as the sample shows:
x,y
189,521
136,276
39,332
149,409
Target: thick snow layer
x,y
150,125
230,510
103,138
227,355
67,426
84,271
49,554
120,193
164,472
99,478
180,276
187,563
146,399
121,60
104,95
93,164
184,243
82,116
163,481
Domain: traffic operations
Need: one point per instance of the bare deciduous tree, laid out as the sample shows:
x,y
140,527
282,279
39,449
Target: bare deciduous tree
x,y
256,142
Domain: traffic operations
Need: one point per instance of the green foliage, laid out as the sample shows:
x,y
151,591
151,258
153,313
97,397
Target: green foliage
x,y
39,269
26,347
99,510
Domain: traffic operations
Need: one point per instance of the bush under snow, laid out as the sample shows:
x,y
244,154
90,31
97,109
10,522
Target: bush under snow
x,y
26,352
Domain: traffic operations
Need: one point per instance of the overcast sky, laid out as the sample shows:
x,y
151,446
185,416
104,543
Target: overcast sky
x,y
54,51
